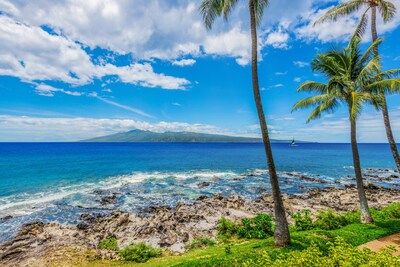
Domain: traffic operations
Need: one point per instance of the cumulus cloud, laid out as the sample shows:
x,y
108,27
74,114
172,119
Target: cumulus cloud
x,y
278,39
235,43
23,128
32,54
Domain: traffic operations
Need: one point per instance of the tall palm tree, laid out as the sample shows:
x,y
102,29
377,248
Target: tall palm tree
x,y
210,10
353,79
387,11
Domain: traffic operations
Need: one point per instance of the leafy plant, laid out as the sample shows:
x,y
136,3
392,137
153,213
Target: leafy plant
x,y
110,243
257,227
339,254
139,252
303,220
226,227
390,212
328,220
200,242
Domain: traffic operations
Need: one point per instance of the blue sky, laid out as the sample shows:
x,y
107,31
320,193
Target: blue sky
x,y
72,70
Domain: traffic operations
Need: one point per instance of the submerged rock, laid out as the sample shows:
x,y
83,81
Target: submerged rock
x,y
203,184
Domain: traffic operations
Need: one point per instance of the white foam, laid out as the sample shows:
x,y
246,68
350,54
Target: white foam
x,y
24,203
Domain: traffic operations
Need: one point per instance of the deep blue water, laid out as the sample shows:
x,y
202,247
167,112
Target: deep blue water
x,y
59,181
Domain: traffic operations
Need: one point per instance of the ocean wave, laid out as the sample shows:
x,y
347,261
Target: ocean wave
x,y
22,204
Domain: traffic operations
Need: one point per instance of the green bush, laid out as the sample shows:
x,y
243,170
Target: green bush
x,y
390,212
303,220
226,227
328,220
258,227
110,243
139,252
339,254
200,242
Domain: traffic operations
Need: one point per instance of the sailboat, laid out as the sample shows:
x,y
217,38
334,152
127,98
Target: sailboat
x,y
293,143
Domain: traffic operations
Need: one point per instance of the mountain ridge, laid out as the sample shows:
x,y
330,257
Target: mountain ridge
x,y
138,136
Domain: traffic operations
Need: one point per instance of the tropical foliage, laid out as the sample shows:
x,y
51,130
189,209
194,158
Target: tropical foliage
x,y
387,10
353,79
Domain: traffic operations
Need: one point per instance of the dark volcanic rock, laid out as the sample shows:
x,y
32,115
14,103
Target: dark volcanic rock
x,y
203,184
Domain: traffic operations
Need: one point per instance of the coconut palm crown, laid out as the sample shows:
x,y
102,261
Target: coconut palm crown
x,y
353,80
387,10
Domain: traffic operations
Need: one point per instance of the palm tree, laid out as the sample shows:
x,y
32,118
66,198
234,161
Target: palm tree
x,y
210,10
387,11
353,79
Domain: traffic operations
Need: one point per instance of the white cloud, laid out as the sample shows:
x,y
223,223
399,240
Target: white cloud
x,y
22,128
370,128
278,39
301,64
134,110
47,90
177,104
340,30
281,73
184,62
297,79
146,29
234,43
32,54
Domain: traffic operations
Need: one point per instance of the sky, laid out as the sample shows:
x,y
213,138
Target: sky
x,y
71,70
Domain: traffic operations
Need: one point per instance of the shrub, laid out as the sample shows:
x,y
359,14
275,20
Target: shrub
x,y
328,220
339,254
257,227
110,243
303,220
139,252
390,212
226,227
200,242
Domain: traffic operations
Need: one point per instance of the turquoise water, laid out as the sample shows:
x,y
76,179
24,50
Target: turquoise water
x,y
59,181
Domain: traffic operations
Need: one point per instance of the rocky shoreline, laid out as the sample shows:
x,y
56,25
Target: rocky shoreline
x,y
170,228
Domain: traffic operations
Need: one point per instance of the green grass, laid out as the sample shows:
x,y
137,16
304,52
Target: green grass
x,y
231,251
243,249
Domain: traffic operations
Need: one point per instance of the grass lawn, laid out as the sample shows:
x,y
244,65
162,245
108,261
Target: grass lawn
x,y
242,249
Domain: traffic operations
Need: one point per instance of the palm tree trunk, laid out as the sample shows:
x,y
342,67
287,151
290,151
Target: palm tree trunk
x,y
365,214
385,112
281,235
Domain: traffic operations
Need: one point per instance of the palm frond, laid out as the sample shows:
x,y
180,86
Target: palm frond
x,y
387,10
210,10
362,26
369,70
228,6
260,6
311,86
328,106
341,10
369,53
385,86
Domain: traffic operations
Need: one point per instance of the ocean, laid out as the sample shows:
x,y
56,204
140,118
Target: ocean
x,y
60,181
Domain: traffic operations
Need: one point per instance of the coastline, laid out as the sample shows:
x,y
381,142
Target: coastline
x,y
171,227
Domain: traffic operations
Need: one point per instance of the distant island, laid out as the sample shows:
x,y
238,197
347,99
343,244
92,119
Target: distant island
x,y
178,137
